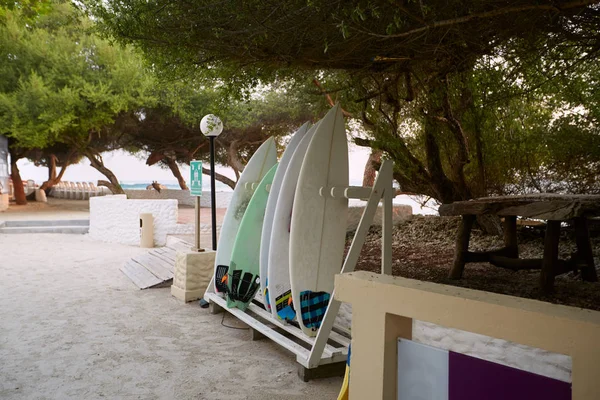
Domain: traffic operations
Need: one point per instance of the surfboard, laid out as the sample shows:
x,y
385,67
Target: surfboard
x,y
278,273
243,278
265,240
318,229
260,163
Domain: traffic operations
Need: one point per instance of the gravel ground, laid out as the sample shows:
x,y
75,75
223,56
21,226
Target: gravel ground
x,y
423,248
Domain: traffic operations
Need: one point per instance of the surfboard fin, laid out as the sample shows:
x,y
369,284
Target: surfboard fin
x,y
221,278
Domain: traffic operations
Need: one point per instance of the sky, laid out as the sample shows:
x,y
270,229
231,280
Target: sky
x,y
129,168
132,169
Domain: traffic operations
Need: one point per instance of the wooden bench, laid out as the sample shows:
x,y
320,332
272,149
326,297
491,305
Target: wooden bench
x,y
555,209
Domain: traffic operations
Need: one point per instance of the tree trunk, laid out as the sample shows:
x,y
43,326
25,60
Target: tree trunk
x,y
53,178
370,168
15,175
109,185
97,163
220,178
52,168
176,172
442,185
233,160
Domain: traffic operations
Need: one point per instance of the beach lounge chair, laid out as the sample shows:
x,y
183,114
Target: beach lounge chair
x,y
87,190
83,194
72,192
97,191
58,190
66,189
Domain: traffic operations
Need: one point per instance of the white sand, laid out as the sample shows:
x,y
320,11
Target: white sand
x,y
72,326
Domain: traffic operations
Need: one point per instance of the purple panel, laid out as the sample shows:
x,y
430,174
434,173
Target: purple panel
x,y
475,379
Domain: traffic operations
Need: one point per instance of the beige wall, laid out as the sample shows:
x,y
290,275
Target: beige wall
x,y
384,307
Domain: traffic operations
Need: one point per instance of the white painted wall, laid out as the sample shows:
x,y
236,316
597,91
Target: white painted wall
x,y
115,219
183,196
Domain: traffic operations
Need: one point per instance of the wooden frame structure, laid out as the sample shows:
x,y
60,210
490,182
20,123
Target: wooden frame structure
x,y
325,354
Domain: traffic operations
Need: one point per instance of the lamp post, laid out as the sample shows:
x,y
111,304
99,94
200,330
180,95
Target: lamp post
x,y
212,127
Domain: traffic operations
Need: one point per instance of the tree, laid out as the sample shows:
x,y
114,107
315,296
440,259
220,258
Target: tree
x,y
463,96
170,135
63,86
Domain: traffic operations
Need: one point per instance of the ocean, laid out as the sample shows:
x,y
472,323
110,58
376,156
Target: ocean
x,y
173,185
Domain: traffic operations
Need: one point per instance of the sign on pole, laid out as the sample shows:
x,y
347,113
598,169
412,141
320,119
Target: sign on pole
x,y
196,178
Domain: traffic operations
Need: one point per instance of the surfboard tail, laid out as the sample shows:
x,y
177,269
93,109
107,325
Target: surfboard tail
x,y
285,306
312,308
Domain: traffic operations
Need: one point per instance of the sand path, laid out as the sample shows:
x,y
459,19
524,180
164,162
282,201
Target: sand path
x,y
72,326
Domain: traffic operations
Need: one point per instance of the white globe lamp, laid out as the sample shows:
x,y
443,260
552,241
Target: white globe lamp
x,y
211,125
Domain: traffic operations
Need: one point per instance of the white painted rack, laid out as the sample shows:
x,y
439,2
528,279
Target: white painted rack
x,y
330,346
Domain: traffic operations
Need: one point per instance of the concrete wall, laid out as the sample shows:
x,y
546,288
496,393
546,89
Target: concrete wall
x,y
183,196
115,219
524,332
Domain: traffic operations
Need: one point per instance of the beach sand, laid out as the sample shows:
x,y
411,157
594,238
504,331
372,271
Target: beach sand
x,y
74,327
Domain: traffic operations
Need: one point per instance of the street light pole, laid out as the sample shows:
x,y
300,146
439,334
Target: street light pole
x,y
212,127
213,202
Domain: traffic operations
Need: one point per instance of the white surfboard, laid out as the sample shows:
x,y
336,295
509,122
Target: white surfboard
x,y
318,229
265,240
260,163
278,273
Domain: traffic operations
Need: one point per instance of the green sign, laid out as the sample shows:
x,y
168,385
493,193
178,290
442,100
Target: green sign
x,y
196,178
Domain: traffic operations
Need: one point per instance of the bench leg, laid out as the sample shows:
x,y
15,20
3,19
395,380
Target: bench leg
x,y
584,250
462,246
550,257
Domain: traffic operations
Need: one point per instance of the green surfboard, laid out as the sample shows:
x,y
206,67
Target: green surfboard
x,y
243,277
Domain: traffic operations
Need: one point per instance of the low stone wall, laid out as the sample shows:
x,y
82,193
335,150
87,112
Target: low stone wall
x,y
116,219
182,196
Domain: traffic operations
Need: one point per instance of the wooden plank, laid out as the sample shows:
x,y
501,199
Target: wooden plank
x,y
322,371
166,262
169,253
295,331
139,275
555,207
158,267
286,343
164,258
485,256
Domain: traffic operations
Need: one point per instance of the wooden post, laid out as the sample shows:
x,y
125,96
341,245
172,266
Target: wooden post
x,y
550,256
462,246
510,236
584,250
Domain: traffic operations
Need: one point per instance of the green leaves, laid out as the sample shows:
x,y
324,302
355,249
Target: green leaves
x,y
60,82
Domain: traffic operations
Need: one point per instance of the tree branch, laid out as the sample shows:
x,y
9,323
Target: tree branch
x,y
220,178
488,14
329,99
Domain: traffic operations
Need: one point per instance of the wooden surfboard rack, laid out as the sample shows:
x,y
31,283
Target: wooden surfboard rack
x,y
325,354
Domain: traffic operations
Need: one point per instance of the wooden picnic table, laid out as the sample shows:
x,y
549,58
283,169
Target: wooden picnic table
x,y
555,209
